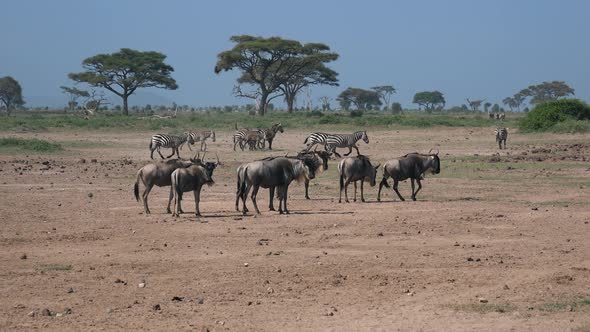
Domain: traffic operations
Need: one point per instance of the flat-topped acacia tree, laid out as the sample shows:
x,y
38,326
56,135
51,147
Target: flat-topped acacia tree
x,y
125,71
270,64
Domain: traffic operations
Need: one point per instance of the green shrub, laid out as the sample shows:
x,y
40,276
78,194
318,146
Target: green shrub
x,y
356,114
34,144
547,115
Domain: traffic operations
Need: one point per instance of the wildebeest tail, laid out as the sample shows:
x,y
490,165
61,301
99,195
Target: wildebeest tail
x,y
136,186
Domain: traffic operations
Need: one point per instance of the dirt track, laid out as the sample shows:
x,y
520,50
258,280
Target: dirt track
x,y
493,242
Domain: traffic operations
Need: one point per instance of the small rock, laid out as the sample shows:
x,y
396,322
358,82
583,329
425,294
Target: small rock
x,y
23,256
90,195
70,290
482,300
506,287
380,234
246,264
535,208
67,311
59,314
45,312
156,307
82,161
200,300
93,160
109,311
178,299
270,290
469,259
141,285
32,313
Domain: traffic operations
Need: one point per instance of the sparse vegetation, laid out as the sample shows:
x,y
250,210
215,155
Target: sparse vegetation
x,y
484,308
33,144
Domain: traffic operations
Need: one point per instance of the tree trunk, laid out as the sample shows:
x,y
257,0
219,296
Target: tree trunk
x,y
263,104
125,106
290,102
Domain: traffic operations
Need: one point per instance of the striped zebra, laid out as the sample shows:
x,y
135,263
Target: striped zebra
x,y
170,142
315,138
334,141
201,136
501,136
265,134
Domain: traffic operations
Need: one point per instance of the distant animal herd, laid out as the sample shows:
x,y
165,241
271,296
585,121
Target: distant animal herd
x,y
277,173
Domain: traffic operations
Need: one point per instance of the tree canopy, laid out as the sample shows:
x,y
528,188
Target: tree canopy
x,y
276,67
546,91
385,92
11,94
73,95
430,100
125,71
362,99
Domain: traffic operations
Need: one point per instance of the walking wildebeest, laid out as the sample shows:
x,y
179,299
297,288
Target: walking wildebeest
x,y
411,166
158,174
191,178
354,169
271,173
322,157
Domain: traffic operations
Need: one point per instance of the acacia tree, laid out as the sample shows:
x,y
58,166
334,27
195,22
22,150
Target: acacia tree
x,y
430,100
73,95
474,104
11,93
385,92
269,64
546,91
325,101
361,98
125,71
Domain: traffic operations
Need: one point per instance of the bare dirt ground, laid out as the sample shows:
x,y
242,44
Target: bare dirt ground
x,y
494,242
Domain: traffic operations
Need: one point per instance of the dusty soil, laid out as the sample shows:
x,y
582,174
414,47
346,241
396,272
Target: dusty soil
x,y
497,241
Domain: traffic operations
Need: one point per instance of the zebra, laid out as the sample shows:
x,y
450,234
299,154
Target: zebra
x,y
315,138
334,141
201,136
169,141
265,134
501,135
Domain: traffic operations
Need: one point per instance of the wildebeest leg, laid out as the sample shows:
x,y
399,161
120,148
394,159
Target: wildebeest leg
x,y
341,187
346,190
253,197
177,199
271,206
245,198
362,193
146,192
307,189
170,200
419,187
381,184
354,199
395,184
413,195
280,197
285,193
500,144
504,144
197,193
349,151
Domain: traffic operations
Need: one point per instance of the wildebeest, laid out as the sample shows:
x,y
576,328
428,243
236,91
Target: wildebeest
x,y
501,136
270,173
322,157
411,166
353,169
158,174
191,178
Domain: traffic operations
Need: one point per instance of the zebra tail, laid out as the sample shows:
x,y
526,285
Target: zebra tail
x,y
151,141
136,186
305,142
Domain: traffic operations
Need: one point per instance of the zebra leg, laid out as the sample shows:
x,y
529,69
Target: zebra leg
x,y
395,184
160,153
271,191
349,151
173,152
357,150
419,187
354,199
253,197
307,189
270,146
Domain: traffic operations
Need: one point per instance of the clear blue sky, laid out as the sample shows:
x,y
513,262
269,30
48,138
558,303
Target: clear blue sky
x,y
467,48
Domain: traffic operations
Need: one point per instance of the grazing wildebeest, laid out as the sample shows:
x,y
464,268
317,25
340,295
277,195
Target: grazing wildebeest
x,y
411,166
271,173
191,178
353,169
322,157
501,136
158,174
